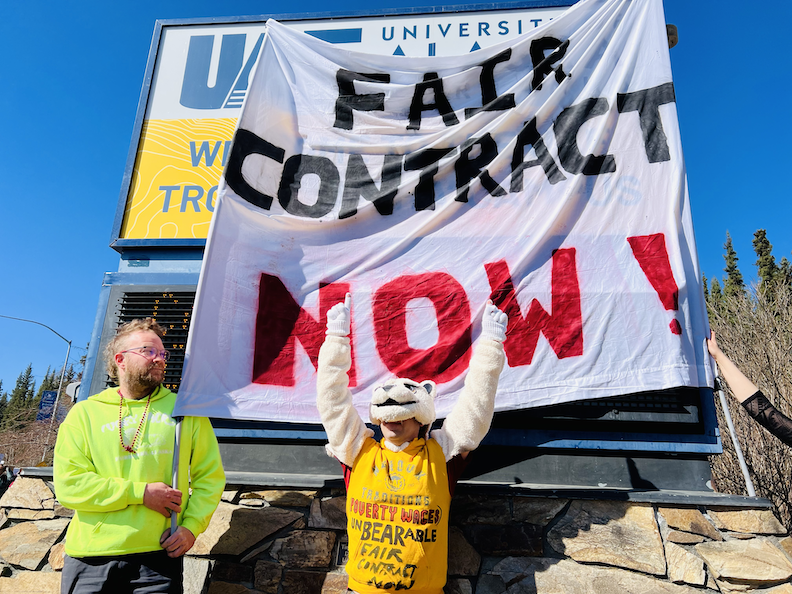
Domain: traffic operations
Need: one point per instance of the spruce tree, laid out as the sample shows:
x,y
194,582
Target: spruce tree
x,y
49,382
70,376
785,271
18,409
765,262
22,389
733,285
715,301
704,286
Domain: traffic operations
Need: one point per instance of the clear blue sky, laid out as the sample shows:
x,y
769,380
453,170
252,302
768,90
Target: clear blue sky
x,y
71,77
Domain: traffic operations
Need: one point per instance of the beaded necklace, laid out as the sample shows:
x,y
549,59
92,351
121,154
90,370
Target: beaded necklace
x,y
131,448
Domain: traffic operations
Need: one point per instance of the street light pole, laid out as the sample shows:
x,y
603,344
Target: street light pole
x,y
57,399
63,374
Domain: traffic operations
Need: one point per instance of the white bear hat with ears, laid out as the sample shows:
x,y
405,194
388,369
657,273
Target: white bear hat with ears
x,y
402,399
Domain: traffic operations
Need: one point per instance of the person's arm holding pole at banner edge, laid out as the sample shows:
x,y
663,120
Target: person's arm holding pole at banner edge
x,y
176,540
745,391
201,475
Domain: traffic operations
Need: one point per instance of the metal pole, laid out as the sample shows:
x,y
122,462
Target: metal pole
x,y
57,400
725,406
175,471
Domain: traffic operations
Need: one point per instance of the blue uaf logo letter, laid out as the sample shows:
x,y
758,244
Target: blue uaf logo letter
x,y
231,82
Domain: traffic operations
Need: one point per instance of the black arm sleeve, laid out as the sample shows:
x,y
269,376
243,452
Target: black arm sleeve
x,y
769,417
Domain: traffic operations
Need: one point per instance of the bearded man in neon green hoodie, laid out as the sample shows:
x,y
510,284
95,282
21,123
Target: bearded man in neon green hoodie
x,y
113,463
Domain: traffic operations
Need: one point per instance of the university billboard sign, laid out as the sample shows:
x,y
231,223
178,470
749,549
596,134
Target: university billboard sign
x,y
197,80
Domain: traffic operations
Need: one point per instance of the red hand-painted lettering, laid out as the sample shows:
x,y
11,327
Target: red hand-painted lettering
x,y
279,321
450,356
652,256
563,328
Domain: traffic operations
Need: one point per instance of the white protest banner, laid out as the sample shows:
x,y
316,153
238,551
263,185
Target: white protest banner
x,y
545,174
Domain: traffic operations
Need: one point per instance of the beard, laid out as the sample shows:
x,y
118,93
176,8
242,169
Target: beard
x,y
146,378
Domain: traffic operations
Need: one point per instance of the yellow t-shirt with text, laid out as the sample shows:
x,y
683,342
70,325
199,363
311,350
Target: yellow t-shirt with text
x,y
397,510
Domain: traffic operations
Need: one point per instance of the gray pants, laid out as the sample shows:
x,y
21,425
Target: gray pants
x,y
141,573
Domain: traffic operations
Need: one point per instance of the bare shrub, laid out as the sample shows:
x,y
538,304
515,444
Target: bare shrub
x,y
25,441
755,331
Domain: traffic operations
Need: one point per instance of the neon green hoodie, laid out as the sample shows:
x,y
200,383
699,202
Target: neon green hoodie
x,y
104,484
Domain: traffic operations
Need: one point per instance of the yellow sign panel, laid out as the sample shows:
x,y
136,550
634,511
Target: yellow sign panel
x,y
174,183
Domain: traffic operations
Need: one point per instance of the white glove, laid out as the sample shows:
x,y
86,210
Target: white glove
x,y
338,318
493,324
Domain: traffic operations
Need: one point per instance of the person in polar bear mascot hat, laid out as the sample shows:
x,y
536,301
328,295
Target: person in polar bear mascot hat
x,y
399,489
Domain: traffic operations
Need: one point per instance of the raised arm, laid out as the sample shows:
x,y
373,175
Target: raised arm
x,y
470,419
740,385
753,401
346,431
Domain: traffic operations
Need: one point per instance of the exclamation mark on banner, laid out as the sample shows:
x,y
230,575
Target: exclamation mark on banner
x,y
652,256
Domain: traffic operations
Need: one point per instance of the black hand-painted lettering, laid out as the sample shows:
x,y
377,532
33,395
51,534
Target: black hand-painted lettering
x,y
489,95
246,143
297,167
467,169
543,65
647,102
397,537
425,161
366,532
566,127
440,104
348,100
394,552
529,136
358,182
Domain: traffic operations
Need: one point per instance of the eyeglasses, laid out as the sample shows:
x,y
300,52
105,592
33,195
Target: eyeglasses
x,y
149,353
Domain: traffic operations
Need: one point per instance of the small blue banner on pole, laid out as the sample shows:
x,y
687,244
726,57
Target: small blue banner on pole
x,y
45,406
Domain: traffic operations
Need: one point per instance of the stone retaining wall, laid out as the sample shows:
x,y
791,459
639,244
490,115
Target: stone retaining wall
x,y
293,542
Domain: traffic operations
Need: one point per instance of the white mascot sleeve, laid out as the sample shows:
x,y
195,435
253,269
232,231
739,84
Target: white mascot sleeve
x,y
346,431
470,419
